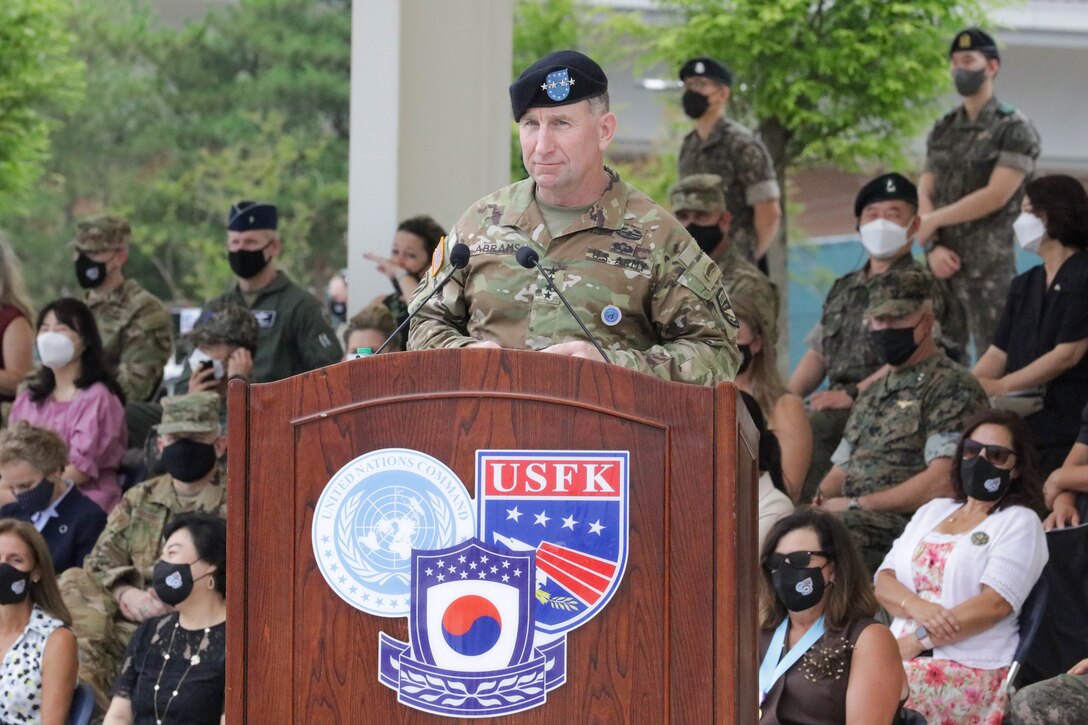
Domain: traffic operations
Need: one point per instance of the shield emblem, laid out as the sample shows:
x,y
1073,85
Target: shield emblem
x,y
558,85
570,508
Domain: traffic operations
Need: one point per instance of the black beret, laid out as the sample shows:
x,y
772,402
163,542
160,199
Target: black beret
x,y
975,39
557,79
247,215
707,67
886,187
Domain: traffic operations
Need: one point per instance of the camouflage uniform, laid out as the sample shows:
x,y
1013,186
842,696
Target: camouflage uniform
x,y
1061,700
735,154
902,422
961,154
129,546
624,255
135,327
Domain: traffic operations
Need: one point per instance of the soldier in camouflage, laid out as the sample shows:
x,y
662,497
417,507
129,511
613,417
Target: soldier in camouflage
x,y
978,157
1061,700
698,203
135,327
719,145
631,272
896,452
112,593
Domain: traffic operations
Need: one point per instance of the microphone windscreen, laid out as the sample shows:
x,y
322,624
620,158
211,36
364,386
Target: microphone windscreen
x,y
459,255
527,257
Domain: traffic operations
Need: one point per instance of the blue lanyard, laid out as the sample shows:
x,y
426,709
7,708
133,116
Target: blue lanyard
x,y
771,669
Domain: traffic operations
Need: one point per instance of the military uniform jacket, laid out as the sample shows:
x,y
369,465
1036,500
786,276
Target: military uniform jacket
x,y
905,420
131,543
961,154
136,334
295,336
631,272
743,280
734,153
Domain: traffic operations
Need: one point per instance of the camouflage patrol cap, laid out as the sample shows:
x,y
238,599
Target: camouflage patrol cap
x,y
897,293
697,192
225,322
975,39
102,233
192,413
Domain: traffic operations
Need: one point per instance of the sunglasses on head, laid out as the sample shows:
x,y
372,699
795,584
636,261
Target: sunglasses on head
x,y
997,455
794,559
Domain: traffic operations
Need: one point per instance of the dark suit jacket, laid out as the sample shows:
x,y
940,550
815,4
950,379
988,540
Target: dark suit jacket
x,y
72,533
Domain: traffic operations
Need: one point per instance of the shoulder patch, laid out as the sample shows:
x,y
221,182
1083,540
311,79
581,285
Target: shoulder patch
x,y
438,257
1005,109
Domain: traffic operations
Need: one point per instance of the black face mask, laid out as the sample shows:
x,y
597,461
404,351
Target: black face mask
x,y
14,584
895,346
35,499
695,104
707,237
745,358
188,460
798,589
173,582
983,480
247,263
968,81
89,273
338,309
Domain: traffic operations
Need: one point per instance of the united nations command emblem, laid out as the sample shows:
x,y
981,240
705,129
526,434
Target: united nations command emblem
x,y
372,514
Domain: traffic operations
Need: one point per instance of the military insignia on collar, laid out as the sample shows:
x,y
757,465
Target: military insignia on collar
x,y
980,538
557,85
438,256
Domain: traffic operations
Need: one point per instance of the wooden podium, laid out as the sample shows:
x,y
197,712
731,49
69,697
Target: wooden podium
x,y
677,642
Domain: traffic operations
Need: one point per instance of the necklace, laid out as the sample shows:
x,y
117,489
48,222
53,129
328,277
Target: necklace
x,y
193,661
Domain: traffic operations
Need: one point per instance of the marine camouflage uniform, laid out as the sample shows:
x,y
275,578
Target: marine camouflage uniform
x,y
1061,700
734,153
625,254
961,155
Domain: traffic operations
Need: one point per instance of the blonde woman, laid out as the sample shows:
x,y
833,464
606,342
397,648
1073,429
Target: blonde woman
x,y
16,334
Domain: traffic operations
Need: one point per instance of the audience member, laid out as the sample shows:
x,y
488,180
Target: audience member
x,y
337,298
824,657
136,329
75,394
175,665
16,337
758,375
32,463
224,340
897,450
38,659
1039,344
113,592
719,145
369,328
773,497
1064,485
957,577
841,347
698,203
1061,700
977,158
294,334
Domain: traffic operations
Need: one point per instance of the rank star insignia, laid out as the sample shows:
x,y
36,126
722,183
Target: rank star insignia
x,y
543,86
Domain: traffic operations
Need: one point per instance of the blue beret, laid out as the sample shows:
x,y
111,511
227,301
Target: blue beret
x,y
887,187
975,39
248,215
557,79
707,67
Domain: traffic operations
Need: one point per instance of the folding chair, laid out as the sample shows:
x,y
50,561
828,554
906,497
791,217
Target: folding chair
x,y
1031,617
82,705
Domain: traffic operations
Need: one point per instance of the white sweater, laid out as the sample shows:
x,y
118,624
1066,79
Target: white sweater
x,y
1006,552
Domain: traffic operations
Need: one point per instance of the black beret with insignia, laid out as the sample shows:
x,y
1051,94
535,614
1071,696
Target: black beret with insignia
x,y
557,79
975,39
707,67
248,215
886,187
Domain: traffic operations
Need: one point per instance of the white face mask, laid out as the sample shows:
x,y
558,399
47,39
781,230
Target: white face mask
x,y
883,238
1029,230
197,359
55,349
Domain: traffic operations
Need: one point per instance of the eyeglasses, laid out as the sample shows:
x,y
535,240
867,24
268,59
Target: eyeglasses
x,y
794,559
997,455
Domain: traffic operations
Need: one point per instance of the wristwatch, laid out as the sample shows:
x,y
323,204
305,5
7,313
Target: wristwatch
x,y
854,505
922,636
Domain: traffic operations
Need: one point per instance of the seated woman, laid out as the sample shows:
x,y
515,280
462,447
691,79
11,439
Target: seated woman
x,y
773,500
823,657
76,395
785,411
1064,484
39,656
32,462
16,337
957,577
175,666
413,244
1043,333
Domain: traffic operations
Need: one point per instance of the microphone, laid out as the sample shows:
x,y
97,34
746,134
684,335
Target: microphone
x,y
528,258
458,260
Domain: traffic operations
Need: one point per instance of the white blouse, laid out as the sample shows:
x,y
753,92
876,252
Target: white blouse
x,y
21,671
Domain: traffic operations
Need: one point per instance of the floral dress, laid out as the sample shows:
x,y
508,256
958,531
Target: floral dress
x,y
21,671
945,691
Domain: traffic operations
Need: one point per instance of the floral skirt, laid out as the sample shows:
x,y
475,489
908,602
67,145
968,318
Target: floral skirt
x,y
948,693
